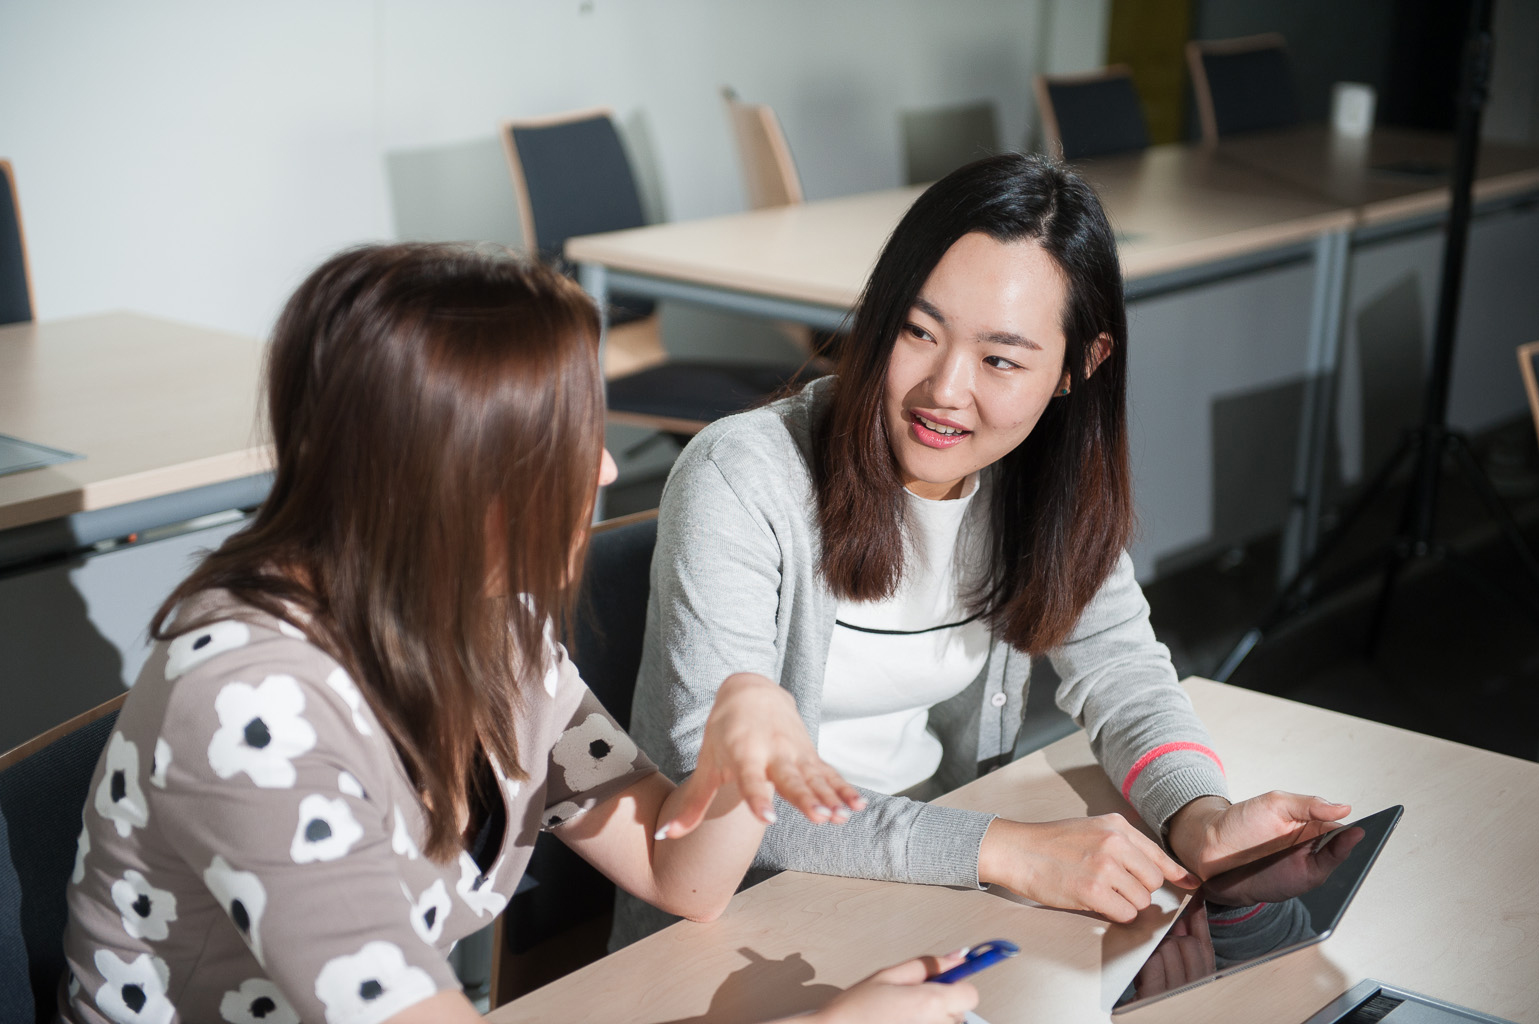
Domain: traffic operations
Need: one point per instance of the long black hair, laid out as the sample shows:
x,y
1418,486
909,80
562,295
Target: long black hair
x,y
1062,507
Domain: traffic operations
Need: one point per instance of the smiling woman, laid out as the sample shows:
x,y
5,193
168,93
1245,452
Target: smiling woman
x,y
894,543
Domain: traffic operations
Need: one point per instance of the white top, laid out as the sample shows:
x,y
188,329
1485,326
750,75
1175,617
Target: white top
x,y
878,687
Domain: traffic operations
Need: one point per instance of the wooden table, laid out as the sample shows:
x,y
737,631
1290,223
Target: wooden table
x,y
162,412
1451,909
1176,209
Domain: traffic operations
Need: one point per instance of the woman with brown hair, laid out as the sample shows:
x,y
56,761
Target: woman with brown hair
x,y
356,720
895,543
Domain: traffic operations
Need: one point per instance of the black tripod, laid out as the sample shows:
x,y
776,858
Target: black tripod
x,y
1427,445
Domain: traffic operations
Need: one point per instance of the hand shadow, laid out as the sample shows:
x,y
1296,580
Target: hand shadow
x,y
764,990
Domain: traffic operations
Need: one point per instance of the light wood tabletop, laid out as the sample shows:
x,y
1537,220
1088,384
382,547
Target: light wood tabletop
x,y
1173,206
155,407
1450,910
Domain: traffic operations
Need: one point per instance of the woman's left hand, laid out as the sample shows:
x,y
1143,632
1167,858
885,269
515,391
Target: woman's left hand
x,y
755,739
1210,835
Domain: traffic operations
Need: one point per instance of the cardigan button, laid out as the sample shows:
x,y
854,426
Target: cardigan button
x,y
998,700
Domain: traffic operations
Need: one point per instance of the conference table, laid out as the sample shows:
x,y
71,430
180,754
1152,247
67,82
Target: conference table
x,y
1450,910
163,414
1185,216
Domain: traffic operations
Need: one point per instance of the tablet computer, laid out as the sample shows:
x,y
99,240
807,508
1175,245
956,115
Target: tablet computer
x,y
1260,911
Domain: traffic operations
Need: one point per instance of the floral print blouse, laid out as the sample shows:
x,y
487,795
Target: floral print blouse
x,y
251,845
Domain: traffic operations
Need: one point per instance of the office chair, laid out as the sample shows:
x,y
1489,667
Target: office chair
x,y
1242,85
16,302
43,788
938,141
572,177
1528,365
1093,114
769,171
561,921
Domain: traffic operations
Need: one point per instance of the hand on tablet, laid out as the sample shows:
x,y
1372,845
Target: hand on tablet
x,y
1183,955
755,738
1101,864
1299,870
1211,835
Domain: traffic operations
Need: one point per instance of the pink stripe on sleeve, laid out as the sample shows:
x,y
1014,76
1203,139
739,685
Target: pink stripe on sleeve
x,y
1221,921
1160,751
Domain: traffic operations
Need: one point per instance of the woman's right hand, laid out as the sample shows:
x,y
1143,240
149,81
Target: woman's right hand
x,y
1101,864
756,739
901,995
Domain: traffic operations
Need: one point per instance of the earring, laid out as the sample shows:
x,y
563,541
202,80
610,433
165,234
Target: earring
x,y
1062,392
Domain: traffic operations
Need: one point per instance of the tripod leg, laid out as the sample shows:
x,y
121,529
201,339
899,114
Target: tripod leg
x,y
1494,504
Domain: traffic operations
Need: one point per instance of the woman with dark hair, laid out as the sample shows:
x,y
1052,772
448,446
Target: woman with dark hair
x,y
356,720
895,543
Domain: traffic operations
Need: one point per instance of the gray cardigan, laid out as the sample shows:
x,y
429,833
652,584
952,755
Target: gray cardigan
x,y
736,588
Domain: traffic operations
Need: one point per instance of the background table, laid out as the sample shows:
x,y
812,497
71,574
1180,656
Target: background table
x,y
1451,909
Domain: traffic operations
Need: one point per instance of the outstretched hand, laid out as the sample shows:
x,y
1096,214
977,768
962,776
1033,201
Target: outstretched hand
x,y
756,741
1211,835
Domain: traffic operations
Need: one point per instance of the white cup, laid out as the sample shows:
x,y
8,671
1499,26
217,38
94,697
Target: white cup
x,y
1352,109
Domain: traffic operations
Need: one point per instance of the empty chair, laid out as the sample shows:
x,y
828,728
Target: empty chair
x,y
43,786
572,177
769,172
1093,114
561,921
1242,85
16,303
938,141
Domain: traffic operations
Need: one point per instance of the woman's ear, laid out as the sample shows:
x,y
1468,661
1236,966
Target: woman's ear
x,y
1099,349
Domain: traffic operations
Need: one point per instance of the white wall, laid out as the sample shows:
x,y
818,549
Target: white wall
x,y
195,160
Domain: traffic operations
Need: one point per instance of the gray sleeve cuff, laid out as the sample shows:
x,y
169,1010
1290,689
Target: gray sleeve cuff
x,y
943,848
1166,792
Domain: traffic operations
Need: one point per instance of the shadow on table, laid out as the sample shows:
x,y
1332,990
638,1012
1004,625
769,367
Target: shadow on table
x,y
764,990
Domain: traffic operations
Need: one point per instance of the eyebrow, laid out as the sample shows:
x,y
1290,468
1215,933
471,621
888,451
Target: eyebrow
x,y
929,309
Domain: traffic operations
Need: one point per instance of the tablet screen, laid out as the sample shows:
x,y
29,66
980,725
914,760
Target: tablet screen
x,y
1262,910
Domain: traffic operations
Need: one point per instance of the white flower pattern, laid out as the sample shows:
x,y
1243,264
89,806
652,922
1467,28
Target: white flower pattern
x,y
327,830
348,690
119,797
257,1001
134,992
401,841
371,985
159,763
241,895
82,848
261,730
348,785
147,911
192,649
429,911
593,753
478,889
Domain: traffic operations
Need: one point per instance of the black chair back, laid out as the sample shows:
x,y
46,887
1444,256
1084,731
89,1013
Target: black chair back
x,y
43,788
579,181
1098,116
612,621
15,978
15,291
1252,90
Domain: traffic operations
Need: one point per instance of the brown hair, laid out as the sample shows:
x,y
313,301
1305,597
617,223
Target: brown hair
x,y
414,392
1061,502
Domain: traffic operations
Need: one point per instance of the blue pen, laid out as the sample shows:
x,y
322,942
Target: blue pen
x,y
985,954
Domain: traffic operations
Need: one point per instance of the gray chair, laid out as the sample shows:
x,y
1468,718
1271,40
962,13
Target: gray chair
x,y
16,304
43,788
1242,85
938,141
1095,114
572,177
560,922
